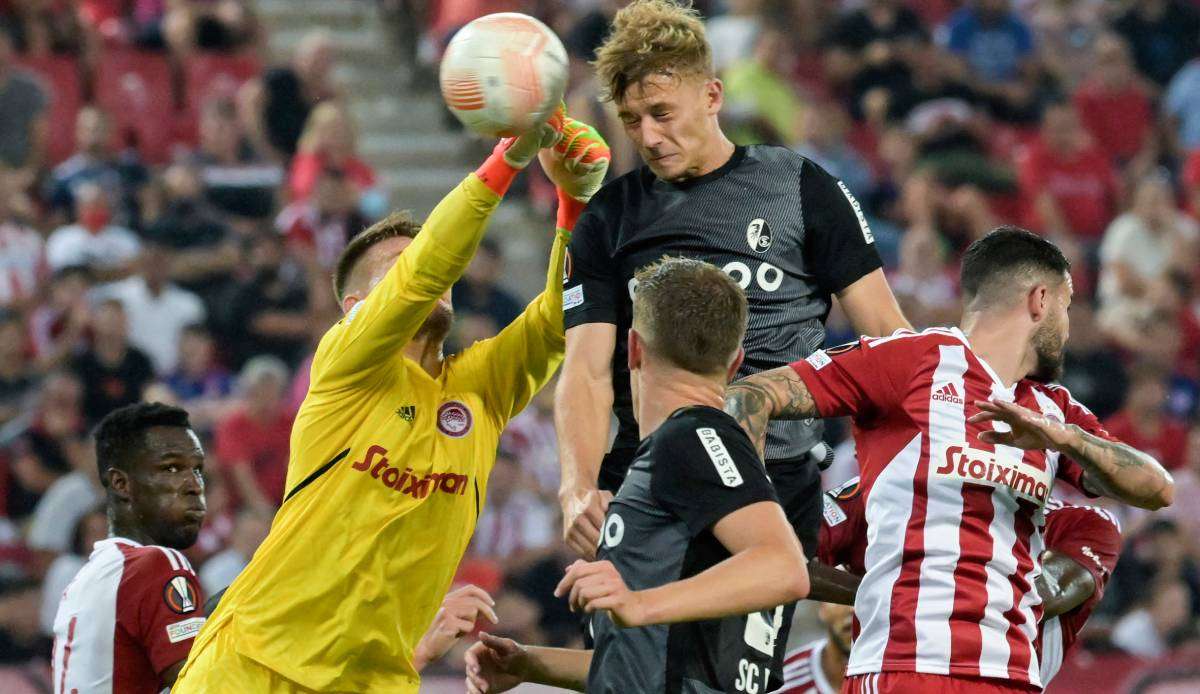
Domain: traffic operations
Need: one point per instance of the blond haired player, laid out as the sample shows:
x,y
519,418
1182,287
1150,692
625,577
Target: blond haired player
x,y
392,448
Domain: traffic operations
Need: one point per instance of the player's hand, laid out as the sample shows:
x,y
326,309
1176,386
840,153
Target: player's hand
x,y
1028,429
583,516
592,586
519,151
454,619
578,162
495,664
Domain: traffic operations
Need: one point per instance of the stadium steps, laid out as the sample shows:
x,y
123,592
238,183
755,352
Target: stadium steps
x,y
402,132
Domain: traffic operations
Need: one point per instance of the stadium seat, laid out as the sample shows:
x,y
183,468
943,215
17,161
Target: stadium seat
x,y
134,88
60,76
211,75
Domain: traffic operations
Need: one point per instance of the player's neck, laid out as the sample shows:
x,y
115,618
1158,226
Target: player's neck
x,y
720,149
427,353
1003,347
119,526
662,391
833,665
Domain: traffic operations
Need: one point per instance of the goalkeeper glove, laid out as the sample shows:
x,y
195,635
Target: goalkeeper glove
x,y
577,164
512,154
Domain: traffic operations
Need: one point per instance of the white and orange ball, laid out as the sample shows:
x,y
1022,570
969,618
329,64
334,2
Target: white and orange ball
x,y
503,73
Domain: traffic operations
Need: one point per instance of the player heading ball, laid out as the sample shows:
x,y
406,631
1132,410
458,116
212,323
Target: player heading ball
x,y
695,540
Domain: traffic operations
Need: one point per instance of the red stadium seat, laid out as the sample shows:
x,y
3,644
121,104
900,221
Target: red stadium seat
x,y
212,75
135,89
60,76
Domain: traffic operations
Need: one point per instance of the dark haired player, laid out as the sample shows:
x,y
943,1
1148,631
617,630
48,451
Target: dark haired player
x,y
960,442
1082,544
695,539
127,620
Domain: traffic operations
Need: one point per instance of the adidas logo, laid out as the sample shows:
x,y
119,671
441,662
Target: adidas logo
x,y
948,393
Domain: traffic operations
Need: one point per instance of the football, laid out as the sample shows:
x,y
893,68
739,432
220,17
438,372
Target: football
x,y
503,73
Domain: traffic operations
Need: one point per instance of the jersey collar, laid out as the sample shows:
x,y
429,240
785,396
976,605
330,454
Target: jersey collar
x,y
739,153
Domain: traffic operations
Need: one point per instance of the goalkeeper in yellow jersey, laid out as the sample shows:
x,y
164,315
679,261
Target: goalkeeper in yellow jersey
x,y
392,448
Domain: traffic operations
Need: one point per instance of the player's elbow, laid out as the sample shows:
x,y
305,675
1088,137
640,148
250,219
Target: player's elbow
x,y
798,585
795,582
1164,497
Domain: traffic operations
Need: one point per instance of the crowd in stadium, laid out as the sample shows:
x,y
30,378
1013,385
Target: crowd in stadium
x,y
187,259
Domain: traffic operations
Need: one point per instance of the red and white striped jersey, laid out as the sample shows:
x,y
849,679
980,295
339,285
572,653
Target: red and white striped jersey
x,y
802,673
130,614
952,521
1088,535
1091,537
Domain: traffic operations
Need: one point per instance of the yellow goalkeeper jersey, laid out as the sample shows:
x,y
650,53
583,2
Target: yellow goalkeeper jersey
x,y
388,472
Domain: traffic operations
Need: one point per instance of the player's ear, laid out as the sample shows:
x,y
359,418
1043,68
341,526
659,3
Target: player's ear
x,y
118,483
348,303
635,351
714,92
731,373
1038,301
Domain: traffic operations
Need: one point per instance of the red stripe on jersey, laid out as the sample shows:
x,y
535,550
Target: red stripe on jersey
x,y
1020,647
902,638
970,576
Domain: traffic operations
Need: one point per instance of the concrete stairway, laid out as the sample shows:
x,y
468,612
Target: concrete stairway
x,y
402,131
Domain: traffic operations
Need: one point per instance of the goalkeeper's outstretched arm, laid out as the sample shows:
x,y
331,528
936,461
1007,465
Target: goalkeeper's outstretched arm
x,y
387,315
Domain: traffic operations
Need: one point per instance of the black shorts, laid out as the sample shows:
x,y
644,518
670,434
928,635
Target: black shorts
x,y
797,483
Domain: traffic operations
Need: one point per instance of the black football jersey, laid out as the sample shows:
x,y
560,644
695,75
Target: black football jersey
x,y
791,234
697,468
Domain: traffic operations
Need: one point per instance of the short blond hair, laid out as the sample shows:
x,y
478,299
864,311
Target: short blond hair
x,y
690,313
652,37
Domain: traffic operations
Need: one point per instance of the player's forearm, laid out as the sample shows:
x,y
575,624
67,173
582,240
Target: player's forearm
x,y
1062,585
1120,471
758,578
449,238
776,394
827,584
582,416
566,668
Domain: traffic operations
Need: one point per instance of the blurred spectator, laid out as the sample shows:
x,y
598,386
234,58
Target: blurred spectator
x,y
1065,33
23,113
120,177
57,328
109,250
1093,370
1068,186
1154,555
1143,422
50,446
252,440
157,310
201,384
531,439
268,313
1181,108
319,227
1140,248
732,34
1113,103
22,250
1148,631
138,23
52,526
281,101
925,283
203,253
826,126
41,27
18,379
212,25
479,290
237,180
872,46
761,104
249,530
1164,34
328,144
996,46
113,371
20,638
89,530
516,528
